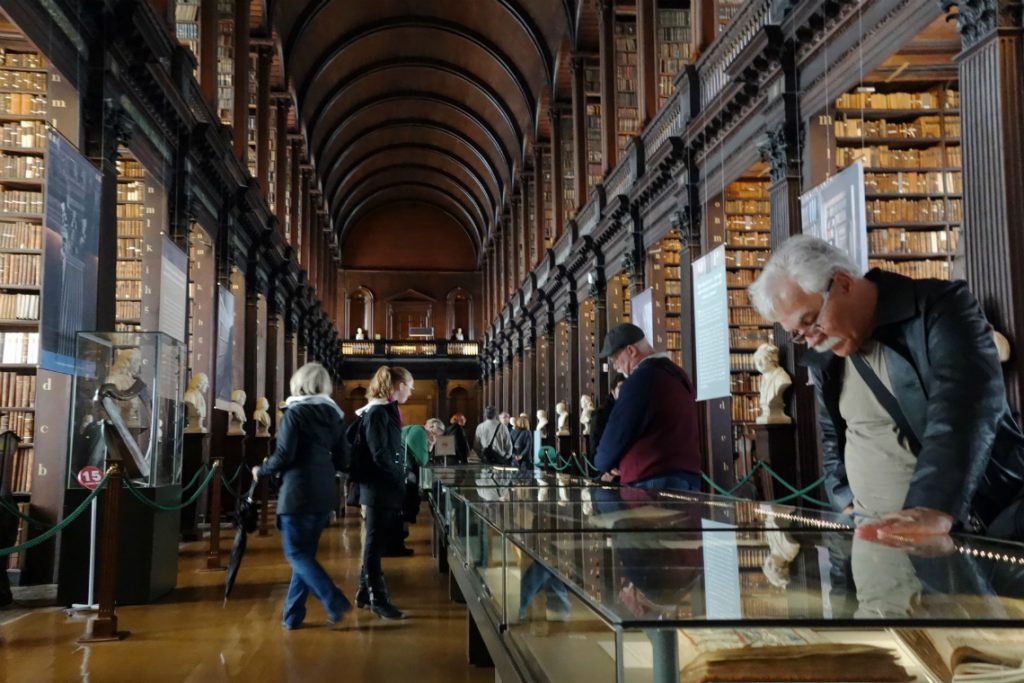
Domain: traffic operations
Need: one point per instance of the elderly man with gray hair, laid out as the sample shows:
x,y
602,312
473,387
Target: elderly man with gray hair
x,y
915,424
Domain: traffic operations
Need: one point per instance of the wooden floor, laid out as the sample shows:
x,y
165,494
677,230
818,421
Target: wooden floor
x,y
189,636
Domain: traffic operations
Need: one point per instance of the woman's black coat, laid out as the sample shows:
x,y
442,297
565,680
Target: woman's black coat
x,y
384,484
309,446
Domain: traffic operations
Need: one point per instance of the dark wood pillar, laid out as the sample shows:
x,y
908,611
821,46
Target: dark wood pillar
x,y
281,173
208,32
606,44
304,217
599,295
558,216
250,355
530,403
296,191
263,118
241,81
991,111
647,55
573,400
579,130
275,364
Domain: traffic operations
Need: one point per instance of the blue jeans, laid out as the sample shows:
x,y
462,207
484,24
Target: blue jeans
x,y
300,535
537,578
681,481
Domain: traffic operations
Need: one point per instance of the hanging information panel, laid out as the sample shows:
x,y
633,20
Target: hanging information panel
x,y
711,325
836,211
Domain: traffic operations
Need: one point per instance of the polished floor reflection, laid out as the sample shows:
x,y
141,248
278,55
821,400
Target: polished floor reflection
x,y
190,636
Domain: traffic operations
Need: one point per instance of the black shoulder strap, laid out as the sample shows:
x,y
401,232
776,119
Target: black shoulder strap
x,y
887,400
495,434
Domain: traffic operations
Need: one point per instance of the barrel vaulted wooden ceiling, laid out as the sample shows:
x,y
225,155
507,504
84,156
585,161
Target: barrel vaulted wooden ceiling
x,y
432,101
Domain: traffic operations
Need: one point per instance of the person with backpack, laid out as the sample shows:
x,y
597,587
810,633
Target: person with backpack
x,y
492,441
380,454
310,448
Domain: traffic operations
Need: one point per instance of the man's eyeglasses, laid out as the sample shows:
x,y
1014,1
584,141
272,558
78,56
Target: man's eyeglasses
x,y
815,327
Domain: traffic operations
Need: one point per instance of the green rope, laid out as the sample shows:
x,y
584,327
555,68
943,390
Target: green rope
x,y
53,531
194,479
802,493
234,477
170,508
740,484
13,509
587,467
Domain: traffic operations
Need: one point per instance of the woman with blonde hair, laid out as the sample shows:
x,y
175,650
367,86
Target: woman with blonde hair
x,y
309,447
522,442
382,490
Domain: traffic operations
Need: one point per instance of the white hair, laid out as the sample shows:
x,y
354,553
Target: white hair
x,y
808,261
311,379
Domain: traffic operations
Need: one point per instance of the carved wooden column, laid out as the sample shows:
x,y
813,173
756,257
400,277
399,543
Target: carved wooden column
x,y
573,400
240,120
579,130
550,399
991,111
647,55
305,202
606,44
530,403
599,295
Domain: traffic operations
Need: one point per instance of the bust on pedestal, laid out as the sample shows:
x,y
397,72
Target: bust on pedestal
x,y
774,382
262,418
542,423
586,412
360,335
195,404
236,413
562,411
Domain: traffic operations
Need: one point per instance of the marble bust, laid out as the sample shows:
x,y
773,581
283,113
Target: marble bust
x,y
195,403
360,335
236,413
586,411
542,423
774,382
458,335
262,418
562,411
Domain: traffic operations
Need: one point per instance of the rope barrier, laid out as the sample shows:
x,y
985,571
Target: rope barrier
x,y
53,531
170,508
234,477
587,467
189,485
794,492
740,484
13,509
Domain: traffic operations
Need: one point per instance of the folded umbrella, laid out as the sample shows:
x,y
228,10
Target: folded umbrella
x,y
244,518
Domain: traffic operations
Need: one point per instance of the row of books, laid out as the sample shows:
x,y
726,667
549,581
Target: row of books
x,y
128,289
127,327
743,382
919,182
739,223
748,337
901,241
19,306
129,310
739,362
899,100
19,348
129,248
900,158
20,235
915,269
922,127
23,135
21,201
748,259
745,315
745,409
129,269
22,104
914,210
20,422
22,167
740,278
748,206
748,238
739,297
747,190
25,81
130,210
17,391
130,227
133,191
130,168
21,476
23,270
22,60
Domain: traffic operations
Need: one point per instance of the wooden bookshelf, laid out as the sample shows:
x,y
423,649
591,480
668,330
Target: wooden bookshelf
x,y
225,60
543,390
131,218
665,278
909,140
563,358
727,9
589,347
619,293
202,286
271,179
530,211
186,26
747,231
569,204
547,218
674,36
592,99
250,132
627,80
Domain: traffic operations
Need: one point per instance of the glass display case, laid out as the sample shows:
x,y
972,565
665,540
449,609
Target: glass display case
x,y
133,380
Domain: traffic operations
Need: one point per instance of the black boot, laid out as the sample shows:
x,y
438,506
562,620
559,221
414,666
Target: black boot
x,y
362,592
381,605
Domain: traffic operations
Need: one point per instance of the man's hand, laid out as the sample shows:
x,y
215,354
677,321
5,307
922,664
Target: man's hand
x,y
921,530
256,473
611,475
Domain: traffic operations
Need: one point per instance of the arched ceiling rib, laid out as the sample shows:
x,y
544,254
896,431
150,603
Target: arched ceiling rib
x,y
434,102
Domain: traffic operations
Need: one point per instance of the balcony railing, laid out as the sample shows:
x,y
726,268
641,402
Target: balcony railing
x,y
405,348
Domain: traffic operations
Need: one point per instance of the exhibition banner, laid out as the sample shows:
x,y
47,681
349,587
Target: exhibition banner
x,y
642,313
711,325
836,211
225,341
173,289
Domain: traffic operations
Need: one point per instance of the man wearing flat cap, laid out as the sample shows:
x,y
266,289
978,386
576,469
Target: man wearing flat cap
x,y
651,438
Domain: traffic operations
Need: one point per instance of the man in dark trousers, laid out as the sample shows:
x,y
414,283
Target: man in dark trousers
x,y
916,429
651,438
